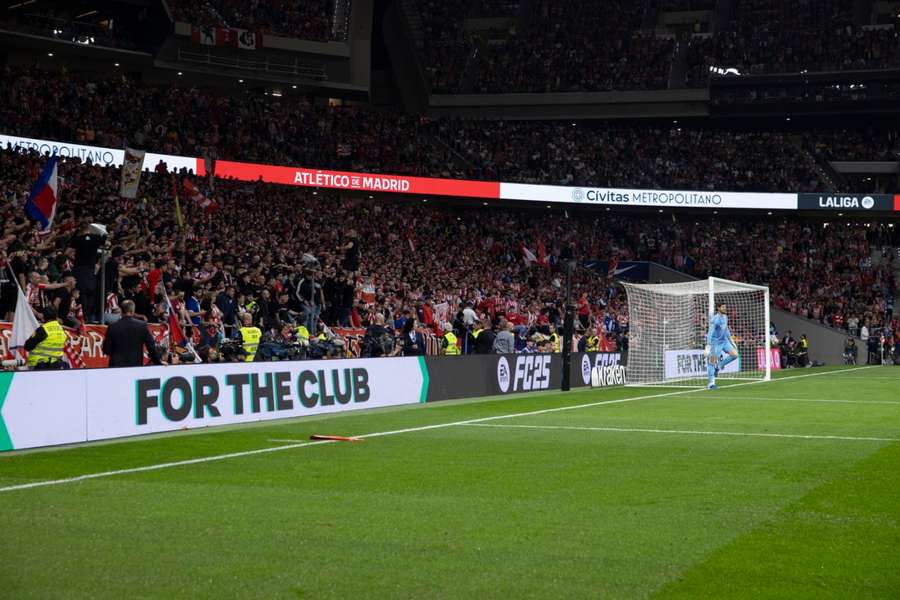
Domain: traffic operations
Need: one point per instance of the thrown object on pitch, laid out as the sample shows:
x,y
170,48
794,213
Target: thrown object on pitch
x,y
334,438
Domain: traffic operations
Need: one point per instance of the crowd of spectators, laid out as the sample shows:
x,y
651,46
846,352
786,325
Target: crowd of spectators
x,y
399,262
304,19
769,36
575,46
114,112
652,156
572,46
869,144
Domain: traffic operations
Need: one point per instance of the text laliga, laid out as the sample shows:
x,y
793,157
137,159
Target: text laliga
x,y
178,397
532,373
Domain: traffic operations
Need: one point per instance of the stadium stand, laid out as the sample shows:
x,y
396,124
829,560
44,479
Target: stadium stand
x,y
820,272
767,36
304,19
293,130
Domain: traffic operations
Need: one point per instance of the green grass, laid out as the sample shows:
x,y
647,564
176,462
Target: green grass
x,y
580,507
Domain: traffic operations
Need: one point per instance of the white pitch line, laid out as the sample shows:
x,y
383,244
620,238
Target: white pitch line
x,y
688,432
829,401
299,444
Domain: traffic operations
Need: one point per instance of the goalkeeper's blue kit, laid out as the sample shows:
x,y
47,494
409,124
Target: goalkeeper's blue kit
x,y
719,341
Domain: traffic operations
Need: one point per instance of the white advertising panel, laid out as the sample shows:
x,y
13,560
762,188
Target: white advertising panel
x,y
647,198
692,363
107,157
46,408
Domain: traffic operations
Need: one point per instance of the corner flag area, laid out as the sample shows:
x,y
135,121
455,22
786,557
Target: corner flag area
x,y
785,488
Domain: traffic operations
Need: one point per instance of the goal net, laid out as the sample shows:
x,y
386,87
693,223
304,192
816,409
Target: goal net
x,y
668,326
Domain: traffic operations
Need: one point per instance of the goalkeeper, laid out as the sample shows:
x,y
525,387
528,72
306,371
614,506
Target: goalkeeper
x,y
719,344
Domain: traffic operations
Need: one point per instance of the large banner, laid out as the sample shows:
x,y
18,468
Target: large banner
x,y
62,407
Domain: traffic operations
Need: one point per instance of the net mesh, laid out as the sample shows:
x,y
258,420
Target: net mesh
x,y
668,325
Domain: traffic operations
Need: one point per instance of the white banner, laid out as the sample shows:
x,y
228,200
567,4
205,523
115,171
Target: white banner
x,y
131,173
692,363
107,157
47,408
647,198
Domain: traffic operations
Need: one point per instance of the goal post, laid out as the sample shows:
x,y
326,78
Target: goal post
x,y
669,322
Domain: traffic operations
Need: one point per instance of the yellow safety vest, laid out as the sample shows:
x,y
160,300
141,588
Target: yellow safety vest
x,y
476,333
251,336
452,349
554,341
593,344
51,349
303,334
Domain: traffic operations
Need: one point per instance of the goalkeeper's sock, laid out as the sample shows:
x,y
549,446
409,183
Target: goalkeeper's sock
x,y
711,373
726,361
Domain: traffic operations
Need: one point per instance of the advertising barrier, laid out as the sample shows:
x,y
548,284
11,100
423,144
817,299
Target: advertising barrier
x,y
44,408
497,190
477,375
692,363
774,358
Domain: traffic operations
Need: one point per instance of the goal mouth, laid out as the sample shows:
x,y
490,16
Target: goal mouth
x,y
671,343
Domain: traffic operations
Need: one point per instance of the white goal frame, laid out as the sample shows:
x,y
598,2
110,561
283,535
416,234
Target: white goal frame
x,y
668,324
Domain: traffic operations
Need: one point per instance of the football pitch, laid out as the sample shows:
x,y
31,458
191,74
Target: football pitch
x,y
789,488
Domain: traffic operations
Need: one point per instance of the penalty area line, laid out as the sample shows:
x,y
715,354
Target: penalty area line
x,y
290,445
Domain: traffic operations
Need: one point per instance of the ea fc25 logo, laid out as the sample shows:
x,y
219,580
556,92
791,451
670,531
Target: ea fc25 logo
x,y
578,195
532,372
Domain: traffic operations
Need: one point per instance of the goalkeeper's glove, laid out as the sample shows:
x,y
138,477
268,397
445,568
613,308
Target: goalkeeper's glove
x,y
706,351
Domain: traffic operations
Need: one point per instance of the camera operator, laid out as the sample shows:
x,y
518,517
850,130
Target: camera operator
x,y
377,340
788,350
850,351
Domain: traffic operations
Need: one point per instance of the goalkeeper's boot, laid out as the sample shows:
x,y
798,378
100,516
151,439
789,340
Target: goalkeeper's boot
x,y
713,386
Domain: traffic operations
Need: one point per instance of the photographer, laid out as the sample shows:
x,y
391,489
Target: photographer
x,y
377,340
850,351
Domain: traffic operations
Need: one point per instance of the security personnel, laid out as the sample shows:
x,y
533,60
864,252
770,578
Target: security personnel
x,y
302,334
593,343
449,341
555,342
45,346
250,336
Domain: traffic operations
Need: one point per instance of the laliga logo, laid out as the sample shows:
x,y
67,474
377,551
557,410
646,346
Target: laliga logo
x,y
503,374
578,195
868,202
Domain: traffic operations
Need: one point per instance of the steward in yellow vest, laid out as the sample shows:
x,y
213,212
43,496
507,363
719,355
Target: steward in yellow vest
x,y
449,341
593,344
250,337
46,345
555,343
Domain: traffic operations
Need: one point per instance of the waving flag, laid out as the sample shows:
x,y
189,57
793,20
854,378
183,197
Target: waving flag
x,y
24,324
41,205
